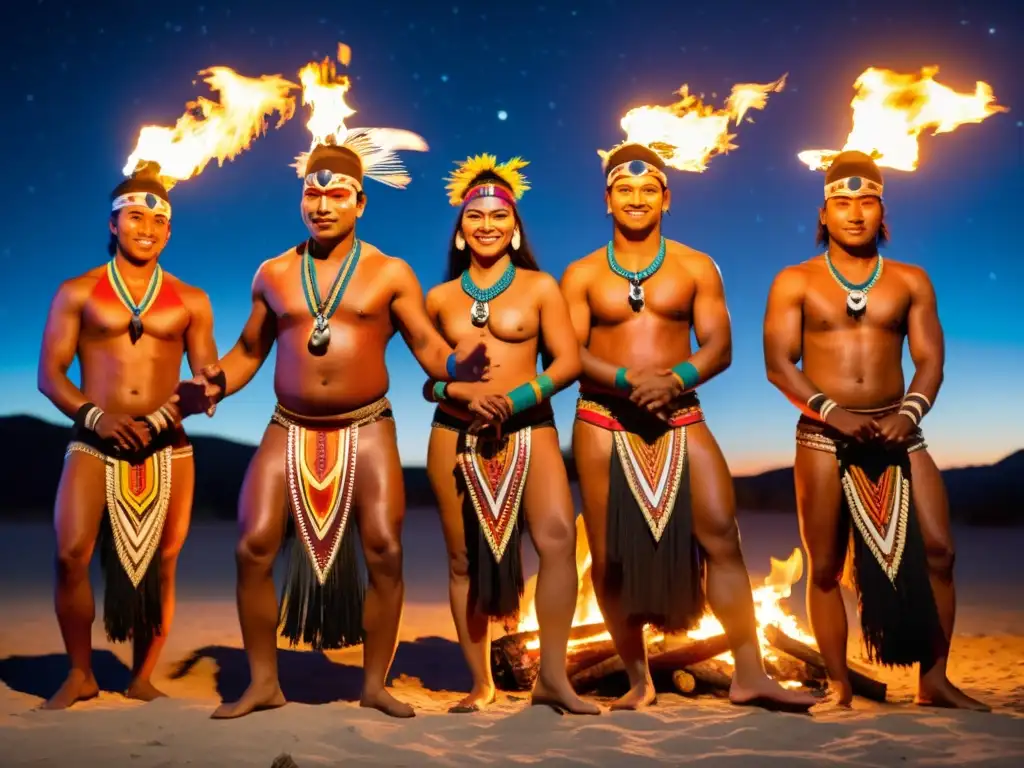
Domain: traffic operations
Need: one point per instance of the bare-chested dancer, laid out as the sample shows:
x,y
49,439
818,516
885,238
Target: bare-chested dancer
x,y
128,468
658,500
845,314
493,447
331,444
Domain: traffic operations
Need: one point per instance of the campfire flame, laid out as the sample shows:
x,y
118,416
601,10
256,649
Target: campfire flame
x,y
768,604
688,133
210,129
890,111
323,89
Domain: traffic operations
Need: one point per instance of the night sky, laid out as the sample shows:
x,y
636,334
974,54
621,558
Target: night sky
x,y
549,82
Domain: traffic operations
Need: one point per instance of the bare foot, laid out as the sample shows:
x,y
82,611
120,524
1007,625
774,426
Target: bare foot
x,y
143,690
766,693
255,699
386,703
561,697
841,694
640,696
478,699
79,686
945,694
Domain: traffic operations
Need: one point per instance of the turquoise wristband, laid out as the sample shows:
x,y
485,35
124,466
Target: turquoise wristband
x,y
532,392
440,391
688,374
621,382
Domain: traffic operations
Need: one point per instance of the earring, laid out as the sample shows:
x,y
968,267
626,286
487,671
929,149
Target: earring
x,y
609,211
460,241
516,240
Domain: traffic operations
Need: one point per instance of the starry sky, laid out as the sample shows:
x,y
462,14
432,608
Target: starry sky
x,y
549,82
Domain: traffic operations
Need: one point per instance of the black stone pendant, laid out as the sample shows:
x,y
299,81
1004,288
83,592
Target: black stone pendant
x,y
135,328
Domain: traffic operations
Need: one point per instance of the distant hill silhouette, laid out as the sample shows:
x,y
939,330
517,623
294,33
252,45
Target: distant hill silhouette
x,y
34,450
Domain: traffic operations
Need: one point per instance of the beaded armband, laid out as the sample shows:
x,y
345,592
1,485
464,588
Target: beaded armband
x,y
88,416
532,392
821,404
160,419
915,406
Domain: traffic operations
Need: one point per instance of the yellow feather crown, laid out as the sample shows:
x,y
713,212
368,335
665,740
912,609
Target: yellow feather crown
x,y
461,179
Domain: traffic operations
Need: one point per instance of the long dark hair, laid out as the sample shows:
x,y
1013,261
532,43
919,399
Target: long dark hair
x,y
522,257
882,239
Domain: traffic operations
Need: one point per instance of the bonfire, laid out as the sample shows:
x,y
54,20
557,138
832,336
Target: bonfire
x,y
695,661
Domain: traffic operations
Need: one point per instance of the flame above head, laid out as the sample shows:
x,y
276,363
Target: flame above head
x,y
890,111
688,133
213,130
323,89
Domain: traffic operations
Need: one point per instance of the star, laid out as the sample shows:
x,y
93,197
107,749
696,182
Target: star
x,y
502,114
444,78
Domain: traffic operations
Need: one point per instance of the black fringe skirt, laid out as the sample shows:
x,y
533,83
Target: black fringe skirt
x,y
324,616
659,583
899,618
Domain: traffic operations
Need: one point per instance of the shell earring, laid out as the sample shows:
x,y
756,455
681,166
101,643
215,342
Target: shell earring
x,y
460,241
517,240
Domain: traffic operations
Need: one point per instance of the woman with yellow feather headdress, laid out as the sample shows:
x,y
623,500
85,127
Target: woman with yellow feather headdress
x,y
493,446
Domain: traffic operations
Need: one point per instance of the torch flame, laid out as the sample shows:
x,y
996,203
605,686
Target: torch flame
x,y
324,90
209,129
890,111
689,133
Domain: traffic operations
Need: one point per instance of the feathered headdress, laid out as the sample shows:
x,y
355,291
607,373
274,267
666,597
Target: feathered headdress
x,y
463,178
377,150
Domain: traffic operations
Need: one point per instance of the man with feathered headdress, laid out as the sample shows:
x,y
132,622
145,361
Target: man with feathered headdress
x,y
861,457
128,471
657,494
330,453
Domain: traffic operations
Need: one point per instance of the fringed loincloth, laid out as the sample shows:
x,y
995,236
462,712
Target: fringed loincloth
x,y
138,495
322,596
493,469
654,561
899,618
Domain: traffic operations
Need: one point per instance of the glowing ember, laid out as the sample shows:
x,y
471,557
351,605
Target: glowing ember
x,y
768,599
689,133
209,129
890,111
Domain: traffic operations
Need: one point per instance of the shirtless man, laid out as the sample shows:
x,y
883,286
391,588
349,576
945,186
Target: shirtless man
x,y
859,436
331,444
653,480
129,323
494,448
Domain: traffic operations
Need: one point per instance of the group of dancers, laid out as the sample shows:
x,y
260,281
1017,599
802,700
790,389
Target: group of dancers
x,y
658,500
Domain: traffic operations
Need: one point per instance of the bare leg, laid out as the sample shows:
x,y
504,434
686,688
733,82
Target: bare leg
x,y
592,450
262,518
81,501
380,509
472,627
826,540
179,513
728,583
932,507
551,519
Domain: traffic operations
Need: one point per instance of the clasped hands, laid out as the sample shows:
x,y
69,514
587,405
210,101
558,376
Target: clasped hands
x,y
893,430
201,393
654,390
